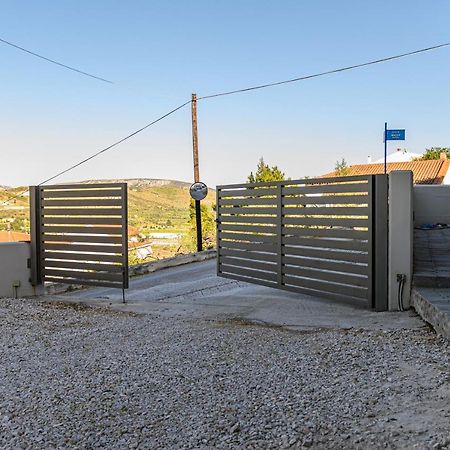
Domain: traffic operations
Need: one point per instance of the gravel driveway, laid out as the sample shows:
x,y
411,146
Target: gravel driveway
x,y
77,377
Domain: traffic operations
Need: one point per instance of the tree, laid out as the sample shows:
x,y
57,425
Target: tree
x,y
208,228
341,168
434,153
265,173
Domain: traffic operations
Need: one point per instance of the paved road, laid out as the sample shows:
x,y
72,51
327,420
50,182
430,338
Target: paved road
x,y
194,291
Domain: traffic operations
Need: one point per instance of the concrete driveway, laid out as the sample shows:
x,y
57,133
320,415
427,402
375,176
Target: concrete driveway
x,y
193,291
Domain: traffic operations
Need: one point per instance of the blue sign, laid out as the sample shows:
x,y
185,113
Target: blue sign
x,y
395,135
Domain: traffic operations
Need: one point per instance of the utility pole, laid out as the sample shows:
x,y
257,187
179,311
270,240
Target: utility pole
x,y
385,147
198,211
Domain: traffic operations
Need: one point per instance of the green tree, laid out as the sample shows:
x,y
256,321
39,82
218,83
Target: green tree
x,y
341,168
434,153
208,228
265,173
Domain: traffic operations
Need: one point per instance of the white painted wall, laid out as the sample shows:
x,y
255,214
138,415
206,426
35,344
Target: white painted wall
x,y
401,230
431,204
13,269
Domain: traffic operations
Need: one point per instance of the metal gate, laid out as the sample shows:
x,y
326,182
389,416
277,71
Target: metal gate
x,y
325,237
79,234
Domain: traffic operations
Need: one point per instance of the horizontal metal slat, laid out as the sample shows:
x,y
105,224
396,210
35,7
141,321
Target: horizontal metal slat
x,y
247,219
248,228
337,266
319,274
249,210
295,182
84,275
326,254
252,246
98,257
248,263
327,200
263,238
313,210
326,232
250,192
267,276
344,179
324,294
82,211
331,188
255,256
81,238
82,221
82,202
82,187
114,249
80,282
82,193
345,244
233,276
326,221
248,201
116,268
82,230
334,288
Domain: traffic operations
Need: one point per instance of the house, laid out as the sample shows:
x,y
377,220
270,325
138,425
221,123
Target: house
x,y
400,155
433,171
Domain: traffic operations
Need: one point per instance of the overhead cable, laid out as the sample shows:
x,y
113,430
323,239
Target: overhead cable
x,y
252,88
54,62
101,151
115,144
321,74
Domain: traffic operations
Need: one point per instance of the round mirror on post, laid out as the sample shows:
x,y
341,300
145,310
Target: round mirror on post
x,y
198,191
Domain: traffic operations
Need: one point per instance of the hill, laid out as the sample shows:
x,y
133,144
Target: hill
x,y
154,206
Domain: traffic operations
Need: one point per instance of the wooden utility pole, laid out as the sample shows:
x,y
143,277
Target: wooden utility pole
x,y
198,211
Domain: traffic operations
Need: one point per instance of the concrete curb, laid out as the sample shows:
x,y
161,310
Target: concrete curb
x,y
430,313
141,269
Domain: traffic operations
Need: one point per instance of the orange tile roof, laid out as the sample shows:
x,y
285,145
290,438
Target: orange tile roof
x,y
13,236
424,172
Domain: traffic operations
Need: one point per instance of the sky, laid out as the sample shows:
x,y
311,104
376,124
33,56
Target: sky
x,y
159,52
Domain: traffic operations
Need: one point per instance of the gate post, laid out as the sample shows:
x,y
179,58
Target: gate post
x,y
35,234
279,232
401,238
380,237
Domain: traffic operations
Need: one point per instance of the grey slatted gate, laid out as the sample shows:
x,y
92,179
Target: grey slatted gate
x,y
79,234
323,237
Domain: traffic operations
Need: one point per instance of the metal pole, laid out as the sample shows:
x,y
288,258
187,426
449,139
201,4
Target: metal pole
x,y
385,147
198,221
198,210
35,232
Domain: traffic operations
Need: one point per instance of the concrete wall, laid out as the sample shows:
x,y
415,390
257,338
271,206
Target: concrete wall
x,y
431,204
14,270
400,251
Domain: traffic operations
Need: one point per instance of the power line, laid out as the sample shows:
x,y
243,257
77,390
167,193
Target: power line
x,y
115,143
54,62
342,69
101,151
321,74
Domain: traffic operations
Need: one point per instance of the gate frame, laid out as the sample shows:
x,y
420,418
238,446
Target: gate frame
x,y
36,272
377,233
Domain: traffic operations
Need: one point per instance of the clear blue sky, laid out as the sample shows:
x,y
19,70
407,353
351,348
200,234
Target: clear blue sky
x,y
158,52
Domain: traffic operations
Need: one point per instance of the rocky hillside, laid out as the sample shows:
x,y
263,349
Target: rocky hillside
x,y
153,204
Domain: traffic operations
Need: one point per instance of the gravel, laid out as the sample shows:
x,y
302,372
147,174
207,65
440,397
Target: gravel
x,y
78,377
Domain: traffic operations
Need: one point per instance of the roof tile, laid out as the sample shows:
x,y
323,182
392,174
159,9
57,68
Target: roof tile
x,y
424,172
